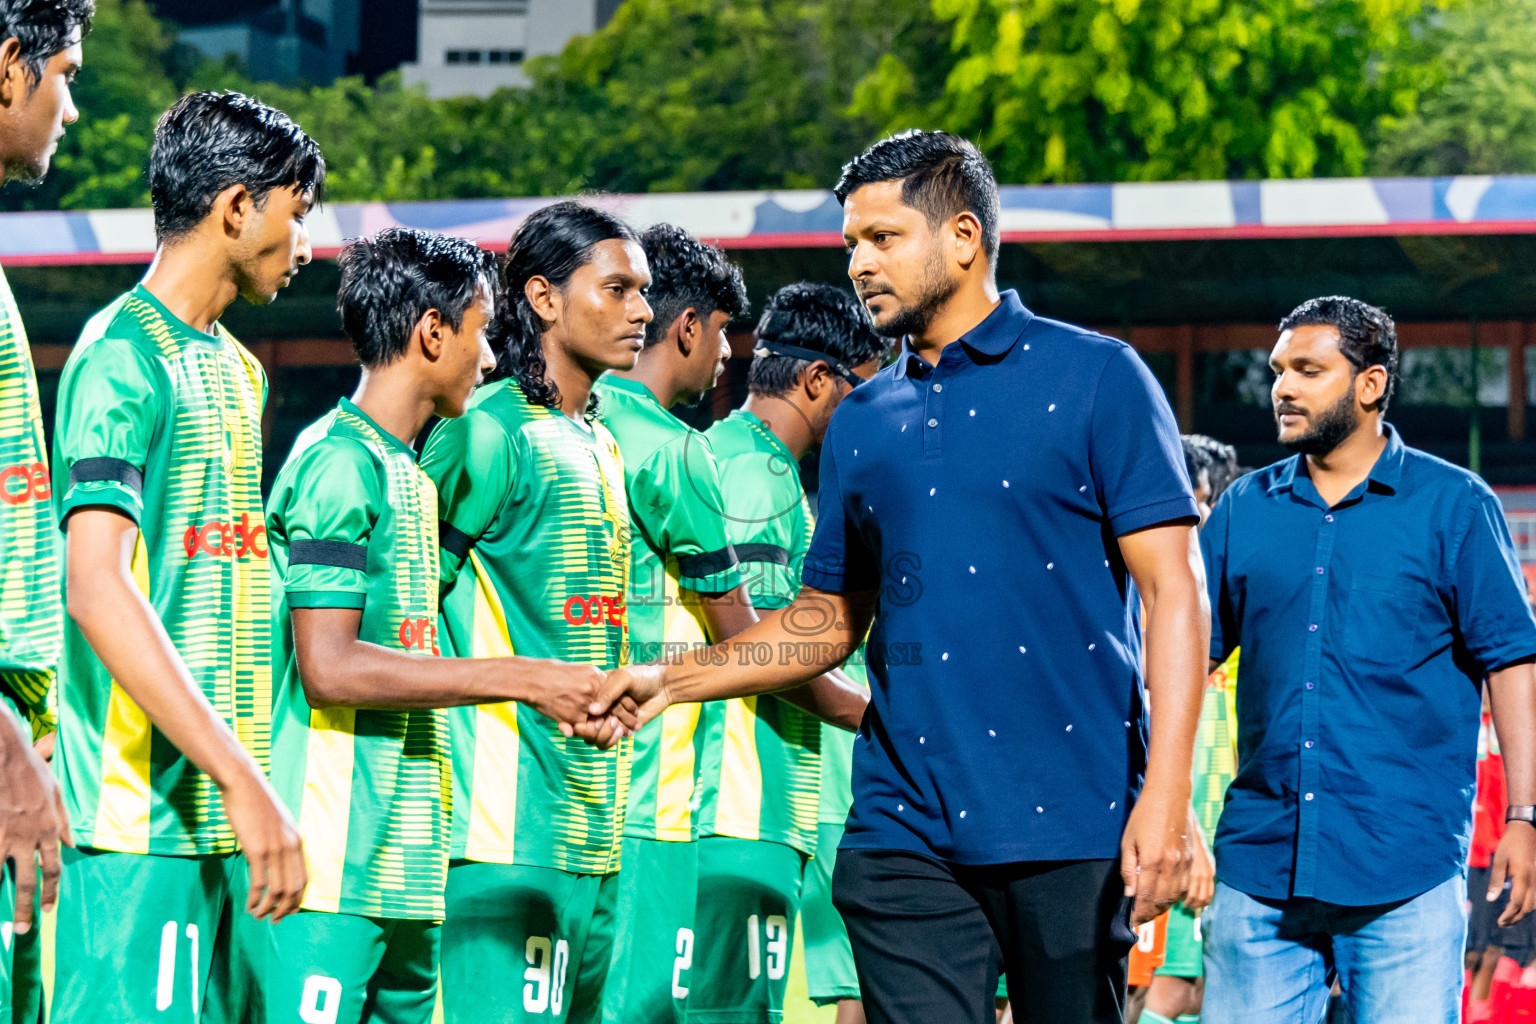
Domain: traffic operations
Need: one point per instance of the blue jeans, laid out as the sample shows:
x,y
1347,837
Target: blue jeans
x,y
1273,961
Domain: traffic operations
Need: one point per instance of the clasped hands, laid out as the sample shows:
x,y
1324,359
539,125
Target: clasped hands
x,y
601,707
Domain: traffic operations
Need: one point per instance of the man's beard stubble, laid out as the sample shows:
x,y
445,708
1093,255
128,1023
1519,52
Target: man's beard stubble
x,y
1328,430
20,171
915,317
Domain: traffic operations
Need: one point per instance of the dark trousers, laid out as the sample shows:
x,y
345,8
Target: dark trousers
x,y
925,932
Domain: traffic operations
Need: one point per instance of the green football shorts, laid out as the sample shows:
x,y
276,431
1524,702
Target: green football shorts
x,y
1183,947
552,929
829,974
654,951
749,896
158,940
325,968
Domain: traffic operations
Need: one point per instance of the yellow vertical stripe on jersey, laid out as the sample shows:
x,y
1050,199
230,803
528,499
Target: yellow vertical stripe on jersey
x,y
678,767
740,811
492,828
327,805
674,786
122,814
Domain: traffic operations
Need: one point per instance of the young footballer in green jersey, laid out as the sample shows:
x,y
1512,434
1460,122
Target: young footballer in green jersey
x,y
40,53
360,738
535,554
761,767
685,589
164,687
684,586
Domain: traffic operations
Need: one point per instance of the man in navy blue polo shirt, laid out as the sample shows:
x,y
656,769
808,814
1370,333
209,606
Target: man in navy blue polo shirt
x,y
986,502
1372,588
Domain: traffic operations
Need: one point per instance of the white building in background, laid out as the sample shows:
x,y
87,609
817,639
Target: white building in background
x,y
474,47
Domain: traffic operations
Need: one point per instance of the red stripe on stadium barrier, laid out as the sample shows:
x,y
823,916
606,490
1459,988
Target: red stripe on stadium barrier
x,y
834,240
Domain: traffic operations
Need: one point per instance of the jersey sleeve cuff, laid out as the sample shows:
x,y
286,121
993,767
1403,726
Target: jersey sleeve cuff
x,y
108,493
1170,510
714,583
325,599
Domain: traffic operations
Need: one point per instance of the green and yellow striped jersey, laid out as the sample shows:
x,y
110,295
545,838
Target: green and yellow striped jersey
x,y
31,614
353,524
680,549
1215,761
535,556
163,423
761,775
837,757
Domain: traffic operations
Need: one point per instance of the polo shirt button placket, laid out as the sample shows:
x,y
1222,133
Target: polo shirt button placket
x,y
934,410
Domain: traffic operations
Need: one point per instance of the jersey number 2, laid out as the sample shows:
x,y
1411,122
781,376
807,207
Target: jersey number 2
x,y
683,963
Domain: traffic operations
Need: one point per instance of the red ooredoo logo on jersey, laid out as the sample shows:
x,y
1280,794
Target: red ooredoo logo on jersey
x,y
419,635
227,540
25,483
594,610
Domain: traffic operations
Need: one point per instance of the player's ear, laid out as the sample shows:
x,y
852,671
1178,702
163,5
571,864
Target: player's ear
x,y
689,330
429,334
816,380
234,207
13,78
963,232
1370,385
543,298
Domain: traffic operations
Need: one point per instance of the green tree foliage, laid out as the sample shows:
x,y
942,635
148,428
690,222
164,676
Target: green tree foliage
x,y
1480,116
683,95
671,95
1116,90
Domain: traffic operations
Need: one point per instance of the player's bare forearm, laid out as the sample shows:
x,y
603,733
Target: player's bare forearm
x,y
822,628
832,697
1169,573
1512,699
123,629
727,614
338,670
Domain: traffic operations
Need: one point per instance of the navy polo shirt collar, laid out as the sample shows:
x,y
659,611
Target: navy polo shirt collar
x,y
1385,475
994,336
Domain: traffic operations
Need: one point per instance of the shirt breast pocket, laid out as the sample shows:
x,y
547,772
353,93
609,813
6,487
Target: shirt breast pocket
x,y
1384,617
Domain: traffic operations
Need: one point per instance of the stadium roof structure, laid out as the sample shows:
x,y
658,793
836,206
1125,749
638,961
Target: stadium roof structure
x,y
1150,211
1187,272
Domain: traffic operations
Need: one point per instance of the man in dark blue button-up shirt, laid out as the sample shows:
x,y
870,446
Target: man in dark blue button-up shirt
x,y
1372,589
986,502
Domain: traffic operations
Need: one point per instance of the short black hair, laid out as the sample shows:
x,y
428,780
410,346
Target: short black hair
x,y
1197,460
553,242
1367,336
44,28
818,317
687,274
1222,468
209,141
941,174
389,281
